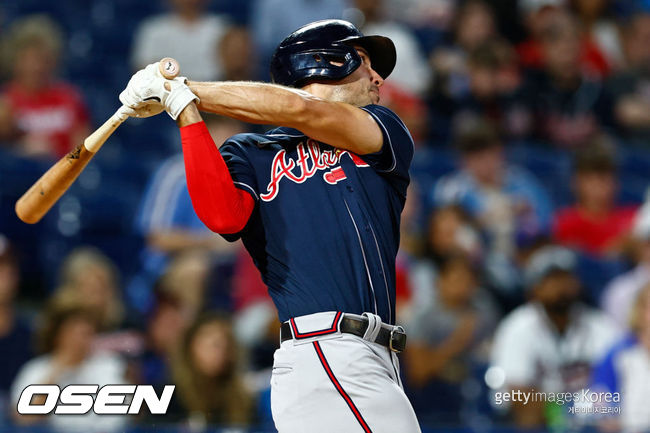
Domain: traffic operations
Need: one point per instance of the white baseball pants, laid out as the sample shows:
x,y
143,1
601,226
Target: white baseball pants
x,y
333,382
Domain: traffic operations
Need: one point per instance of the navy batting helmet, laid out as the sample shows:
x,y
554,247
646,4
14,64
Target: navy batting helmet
x,y
324,50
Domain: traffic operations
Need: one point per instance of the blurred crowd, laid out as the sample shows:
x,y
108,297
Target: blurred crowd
x,y
525,249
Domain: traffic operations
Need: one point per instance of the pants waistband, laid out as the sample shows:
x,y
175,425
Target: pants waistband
x,y
390,336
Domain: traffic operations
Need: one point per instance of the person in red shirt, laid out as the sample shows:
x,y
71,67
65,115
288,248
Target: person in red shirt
x,y
538,17
40,116
595,225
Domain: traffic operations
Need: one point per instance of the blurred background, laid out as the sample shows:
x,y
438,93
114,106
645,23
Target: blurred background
x,y
525,254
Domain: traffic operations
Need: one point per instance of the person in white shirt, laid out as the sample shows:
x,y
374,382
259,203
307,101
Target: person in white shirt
x,y
619,295
67,338
550,343
188,34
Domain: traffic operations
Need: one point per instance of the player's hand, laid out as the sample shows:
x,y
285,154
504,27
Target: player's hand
x,y
148,93
180,96
145,93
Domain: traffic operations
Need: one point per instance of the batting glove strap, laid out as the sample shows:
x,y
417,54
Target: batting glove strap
x,y
179,97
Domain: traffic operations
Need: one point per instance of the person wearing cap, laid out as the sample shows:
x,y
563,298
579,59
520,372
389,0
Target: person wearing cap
x,y
549,343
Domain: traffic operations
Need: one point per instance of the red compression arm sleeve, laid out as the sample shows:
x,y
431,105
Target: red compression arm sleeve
x,y
221,206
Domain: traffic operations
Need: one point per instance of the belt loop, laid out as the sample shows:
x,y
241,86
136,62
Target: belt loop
x,y
374,325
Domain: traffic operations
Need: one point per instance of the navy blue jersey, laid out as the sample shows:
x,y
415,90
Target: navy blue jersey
x,y
325,229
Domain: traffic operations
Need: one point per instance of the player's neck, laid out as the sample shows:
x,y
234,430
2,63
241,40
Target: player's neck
x,y
328,92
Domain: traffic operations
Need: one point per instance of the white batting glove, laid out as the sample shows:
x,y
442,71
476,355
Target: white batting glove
x,y
148,93
144,93
180,96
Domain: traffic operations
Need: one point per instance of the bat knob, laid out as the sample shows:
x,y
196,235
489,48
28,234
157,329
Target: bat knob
x,y
169,68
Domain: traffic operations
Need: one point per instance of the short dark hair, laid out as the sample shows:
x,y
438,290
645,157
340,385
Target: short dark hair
x,y
598,156
475,135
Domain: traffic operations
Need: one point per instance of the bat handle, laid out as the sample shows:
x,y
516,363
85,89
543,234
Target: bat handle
x,y
94,141
121,114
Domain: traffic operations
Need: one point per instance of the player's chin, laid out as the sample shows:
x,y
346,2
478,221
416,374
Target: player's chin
x,y
374,96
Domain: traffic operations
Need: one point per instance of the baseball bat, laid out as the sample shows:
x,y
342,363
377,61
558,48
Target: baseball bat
x,y
42,195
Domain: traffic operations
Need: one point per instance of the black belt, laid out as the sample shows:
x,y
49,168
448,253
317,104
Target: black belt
x,y
392,337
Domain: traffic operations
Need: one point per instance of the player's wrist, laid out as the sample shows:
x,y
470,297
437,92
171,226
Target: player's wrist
x,y
189,116
180,96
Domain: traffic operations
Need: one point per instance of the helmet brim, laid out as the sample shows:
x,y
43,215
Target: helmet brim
x,y
381,50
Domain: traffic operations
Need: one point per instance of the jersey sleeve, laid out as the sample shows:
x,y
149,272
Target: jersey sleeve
x,y
239,166
394,158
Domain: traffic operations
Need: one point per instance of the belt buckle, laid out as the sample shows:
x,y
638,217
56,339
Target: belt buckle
x,y
397,335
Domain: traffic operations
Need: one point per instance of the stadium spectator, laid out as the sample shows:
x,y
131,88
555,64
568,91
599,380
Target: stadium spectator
x,y
625,370
235,51
91,278
186,279
540,17
42,116
549,343
209,385
436,16
164,329
619,295
412,72
272,20
15,330
595,224
187,33
167,221
494,81
66,339
563,99
449,233
627,96
504,199
446,340
473,26
598,29
635,32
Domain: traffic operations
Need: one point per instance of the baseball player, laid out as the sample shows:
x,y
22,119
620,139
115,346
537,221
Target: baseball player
x,y
317,204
